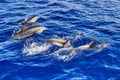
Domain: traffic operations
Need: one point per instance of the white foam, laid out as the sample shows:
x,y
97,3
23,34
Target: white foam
x,y
64,54
34,48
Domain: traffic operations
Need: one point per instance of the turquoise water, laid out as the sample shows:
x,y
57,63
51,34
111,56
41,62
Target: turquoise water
x,y
80,21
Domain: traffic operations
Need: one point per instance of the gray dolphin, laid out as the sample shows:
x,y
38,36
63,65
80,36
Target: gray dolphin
x,y
62,42
30,20
58,41
86,46
25,31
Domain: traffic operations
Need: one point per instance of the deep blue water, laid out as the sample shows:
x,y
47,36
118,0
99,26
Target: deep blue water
x,y
80,21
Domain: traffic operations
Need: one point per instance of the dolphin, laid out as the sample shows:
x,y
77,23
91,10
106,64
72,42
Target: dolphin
x,y
25,31
59,42
30,20
86,46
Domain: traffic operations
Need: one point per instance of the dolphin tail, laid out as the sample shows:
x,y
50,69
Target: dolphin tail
x,y
45,41
22,22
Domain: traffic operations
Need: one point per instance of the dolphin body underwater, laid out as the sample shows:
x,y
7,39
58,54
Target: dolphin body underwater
x,y
28,31
30,20
86,46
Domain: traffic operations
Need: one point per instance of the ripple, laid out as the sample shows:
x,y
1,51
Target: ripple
x,y
112,67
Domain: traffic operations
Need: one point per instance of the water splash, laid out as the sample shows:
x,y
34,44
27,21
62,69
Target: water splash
x,y
34,48
65,54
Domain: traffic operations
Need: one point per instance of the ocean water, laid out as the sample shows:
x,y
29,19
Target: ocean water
x,y
80,21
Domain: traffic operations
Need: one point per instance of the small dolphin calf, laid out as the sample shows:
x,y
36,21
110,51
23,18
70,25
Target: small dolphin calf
x,y
59,42
29,20
25,31
86,46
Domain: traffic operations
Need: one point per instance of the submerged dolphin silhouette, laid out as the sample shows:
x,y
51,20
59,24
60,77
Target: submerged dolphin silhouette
x,y
59,42
25,31
86,46
30,20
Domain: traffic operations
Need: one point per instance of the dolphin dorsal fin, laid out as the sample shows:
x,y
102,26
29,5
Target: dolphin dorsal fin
x,y
91,44
22,27
63,37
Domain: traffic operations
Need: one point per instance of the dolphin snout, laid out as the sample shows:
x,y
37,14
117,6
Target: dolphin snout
x,y
45,28
15,37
